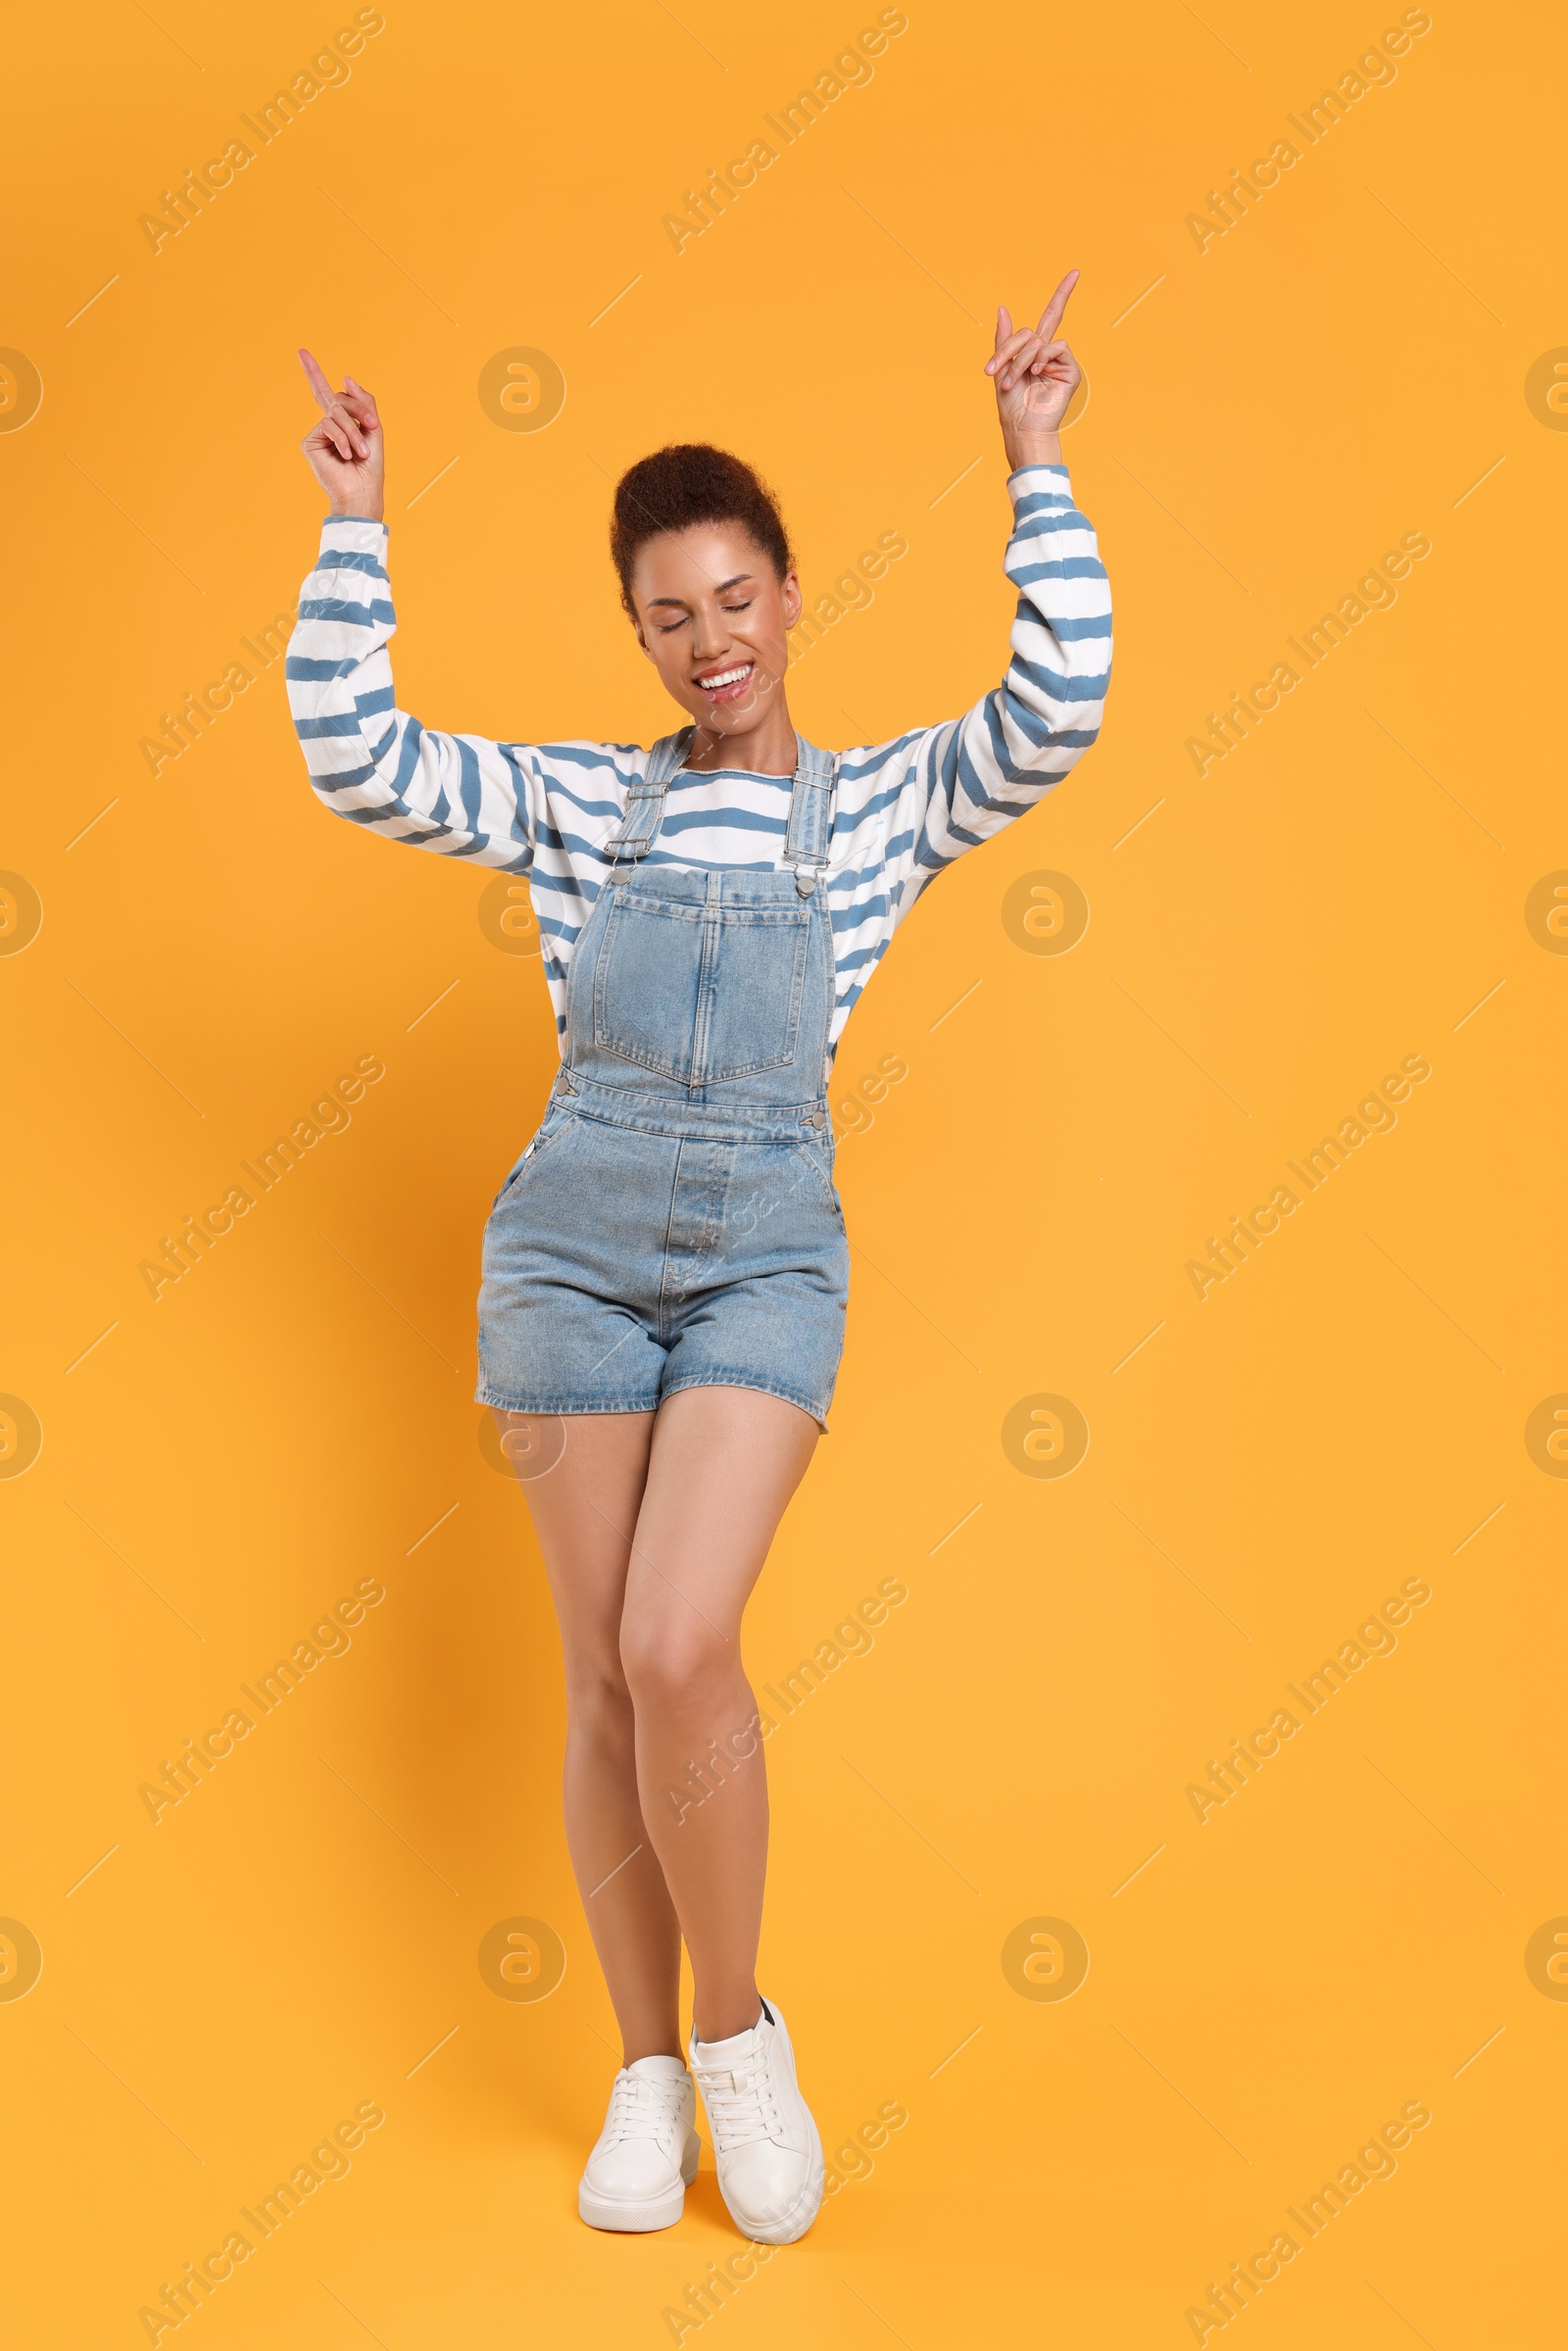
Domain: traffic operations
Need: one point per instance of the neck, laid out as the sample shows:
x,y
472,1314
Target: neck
x,y
768,749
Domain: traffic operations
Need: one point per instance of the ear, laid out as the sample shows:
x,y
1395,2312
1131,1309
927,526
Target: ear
x,y
792,598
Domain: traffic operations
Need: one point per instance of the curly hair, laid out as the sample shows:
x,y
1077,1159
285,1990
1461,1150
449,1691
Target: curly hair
x,y
690,482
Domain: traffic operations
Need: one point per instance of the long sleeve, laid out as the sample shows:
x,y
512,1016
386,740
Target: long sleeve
x,y
908,809
460,795
905,809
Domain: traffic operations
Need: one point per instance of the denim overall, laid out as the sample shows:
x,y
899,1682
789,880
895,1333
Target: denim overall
x,y
674,1223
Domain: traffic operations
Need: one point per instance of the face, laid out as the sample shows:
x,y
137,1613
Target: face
x,y
713,616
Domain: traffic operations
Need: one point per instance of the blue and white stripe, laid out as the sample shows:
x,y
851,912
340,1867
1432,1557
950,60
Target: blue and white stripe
x,y
904,811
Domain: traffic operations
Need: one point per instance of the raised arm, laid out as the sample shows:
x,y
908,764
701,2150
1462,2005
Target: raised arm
x,y
460,795
914,805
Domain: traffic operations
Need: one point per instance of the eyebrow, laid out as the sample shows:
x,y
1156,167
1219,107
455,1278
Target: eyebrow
x,y
737,581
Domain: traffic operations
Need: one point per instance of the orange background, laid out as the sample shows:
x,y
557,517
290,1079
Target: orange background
x,y
1266,1987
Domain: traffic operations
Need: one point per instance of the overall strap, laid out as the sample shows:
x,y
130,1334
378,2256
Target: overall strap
x,y
810,821
645,801
811,827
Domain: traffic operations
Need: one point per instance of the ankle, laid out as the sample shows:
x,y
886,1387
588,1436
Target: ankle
x,y
650,2044
725,2019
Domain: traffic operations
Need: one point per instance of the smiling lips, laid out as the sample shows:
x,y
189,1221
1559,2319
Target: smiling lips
x,y
726,685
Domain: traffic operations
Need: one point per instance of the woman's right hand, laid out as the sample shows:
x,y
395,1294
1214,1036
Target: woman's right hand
x,y
345,451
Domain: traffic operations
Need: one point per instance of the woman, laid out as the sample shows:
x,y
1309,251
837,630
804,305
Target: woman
x,y
666,1268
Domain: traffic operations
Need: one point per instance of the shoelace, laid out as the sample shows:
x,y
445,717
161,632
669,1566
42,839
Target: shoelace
x,y
643,2109
741,2104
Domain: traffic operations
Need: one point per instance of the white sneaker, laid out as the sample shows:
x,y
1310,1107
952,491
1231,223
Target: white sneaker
x,y
765,2144
646,2155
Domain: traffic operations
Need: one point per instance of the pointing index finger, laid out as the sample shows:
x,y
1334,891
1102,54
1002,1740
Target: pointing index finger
x,y
1051,315
319,384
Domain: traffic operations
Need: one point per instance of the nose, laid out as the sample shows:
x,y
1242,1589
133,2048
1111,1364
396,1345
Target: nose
x,y
709,636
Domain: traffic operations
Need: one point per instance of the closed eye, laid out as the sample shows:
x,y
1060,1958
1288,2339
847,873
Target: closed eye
x,y
666,628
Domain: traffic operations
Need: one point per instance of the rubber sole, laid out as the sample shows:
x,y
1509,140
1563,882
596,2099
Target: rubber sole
x,y
633,2217
802,2213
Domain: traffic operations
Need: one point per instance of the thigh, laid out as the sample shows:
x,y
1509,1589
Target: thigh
x,y
760,1307
722,1466
582,1477
569,1302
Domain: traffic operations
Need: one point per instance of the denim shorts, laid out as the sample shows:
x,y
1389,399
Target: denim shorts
x,y
621,1266
673,1223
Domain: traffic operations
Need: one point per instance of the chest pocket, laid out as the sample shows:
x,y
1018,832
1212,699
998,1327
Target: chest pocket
x,y
700,994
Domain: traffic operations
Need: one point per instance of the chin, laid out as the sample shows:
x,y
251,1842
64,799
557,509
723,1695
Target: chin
x,y
732,717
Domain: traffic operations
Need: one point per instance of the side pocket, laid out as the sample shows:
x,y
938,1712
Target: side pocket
x,y
544,1135
516,1170
822,1176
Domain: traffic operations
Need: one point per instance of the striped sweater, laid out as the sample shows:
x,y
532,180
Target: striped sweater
x,y
905,808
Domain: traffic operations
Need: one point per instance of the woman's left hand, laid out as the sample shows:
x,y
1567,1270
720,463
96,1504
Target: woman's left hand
x,y
1036,376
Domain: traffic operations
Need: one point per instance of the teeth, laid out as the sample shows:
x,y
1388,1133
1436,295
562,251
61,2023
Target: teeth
x,y
725,678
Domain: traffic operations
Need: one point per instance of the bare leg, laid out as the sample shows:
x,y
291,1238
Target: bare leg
x,y
724,1464
584,1509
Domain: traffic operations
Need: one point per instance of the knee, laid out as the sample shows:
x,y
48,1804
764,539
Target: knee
x,y
671,1666
597,1697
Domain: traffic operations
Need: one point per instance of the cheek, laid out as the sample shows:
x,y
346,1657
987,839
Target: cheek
x,y
656,645
771,618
